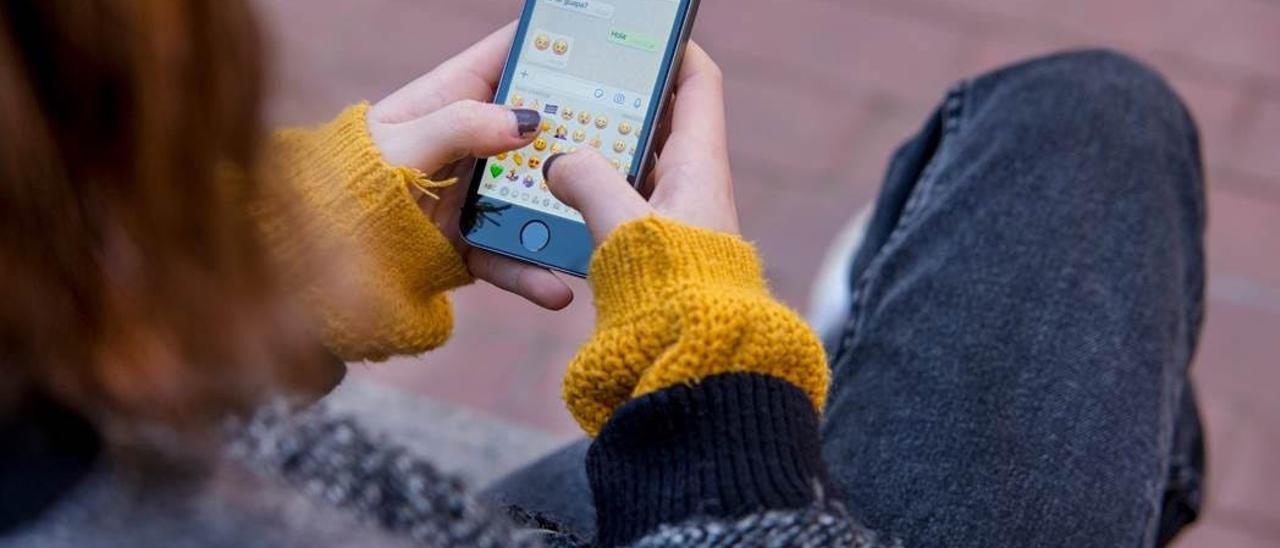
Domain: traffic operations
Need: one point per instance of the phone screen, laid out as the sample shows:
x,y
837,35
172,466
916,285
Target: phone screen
x,y
593,69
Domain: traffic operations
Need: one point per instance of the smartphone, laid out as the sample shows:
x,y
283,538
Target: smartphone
x,y
600,73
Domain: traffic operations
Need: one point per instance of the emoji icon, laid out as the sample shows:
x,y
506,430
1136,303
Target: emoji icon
x,y
535,162
552,109
624,128
584,118
496,170
579,136
528,181
542,42
543,186
595,141
501,157
561,47
567,114
602,122
517,100
632,151
628,167
562,133
539,144
545,126
616,164
518,159
513,176
619,146
556,148
536,104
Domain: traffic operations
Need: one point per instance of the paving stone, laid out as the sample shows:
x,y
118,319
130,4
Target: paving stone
x,y
1212,534
1243,237
1257,151
836,42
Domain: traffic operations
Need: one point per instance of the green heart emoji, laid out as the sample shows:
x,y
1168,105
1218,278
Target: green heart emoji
x,y
496,170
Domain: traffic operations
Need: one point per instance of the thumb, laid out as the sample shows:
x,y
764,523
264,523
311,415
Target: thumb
x,y
587,182
459,130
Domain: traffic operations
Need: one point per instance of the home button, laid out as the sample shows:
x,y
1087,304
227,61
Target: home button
x,y
535,236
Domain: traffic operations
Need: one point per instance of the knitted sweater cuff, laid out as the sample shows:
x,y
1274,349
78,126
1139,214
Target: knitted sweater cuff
x,y
677,304
386,264
733,445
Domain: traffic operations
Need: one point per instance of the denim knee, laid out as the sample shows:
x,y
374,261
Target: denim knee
x,y
1083,99
1088,85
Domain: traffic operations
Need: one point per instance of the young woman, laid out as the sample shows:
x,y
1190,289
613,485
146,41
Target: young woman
x,y
1013,371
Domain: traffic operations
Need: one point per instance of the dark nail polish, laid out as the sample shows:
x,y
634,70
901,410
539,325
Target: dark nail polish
x,y
546,165
527,121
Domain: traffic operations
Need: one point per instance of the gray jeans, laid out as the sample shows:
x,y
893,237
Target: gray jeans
x,y
1027,302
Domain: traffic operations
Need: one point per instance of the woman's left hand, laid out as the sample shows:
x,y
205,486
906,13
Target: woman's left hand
x,y
439,124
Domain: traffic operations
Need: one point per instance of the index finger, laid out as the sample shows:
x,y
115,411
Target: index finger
x,y
472,74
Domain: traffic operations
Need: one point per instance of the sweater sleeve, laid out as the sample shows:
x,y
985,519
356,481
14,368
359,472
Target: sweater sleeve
x,y
676,305
703,394
354,244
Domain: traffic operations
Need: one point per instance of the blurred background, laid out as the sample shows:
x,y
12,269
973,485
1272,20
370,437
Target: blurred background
x,y
820,92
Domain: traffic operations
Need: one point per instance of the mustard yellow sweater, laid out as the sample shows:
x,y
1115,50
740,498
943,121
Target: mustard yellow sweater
x,y
675,304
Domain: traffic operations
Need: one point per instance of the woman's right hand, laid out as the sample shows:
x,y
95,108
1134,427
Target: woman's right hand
x,y
679,296
691,182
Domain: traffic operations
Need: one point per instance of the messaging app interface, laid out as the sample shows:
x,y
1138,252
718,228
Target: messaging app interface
x,y
591,68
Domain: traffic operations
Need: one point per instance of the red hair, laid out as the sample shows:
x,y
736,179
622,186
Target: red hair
x,y
133,282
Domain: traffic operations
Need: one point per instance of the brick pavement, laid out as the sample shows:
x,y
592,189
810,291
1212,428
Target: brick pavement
x,y
820,91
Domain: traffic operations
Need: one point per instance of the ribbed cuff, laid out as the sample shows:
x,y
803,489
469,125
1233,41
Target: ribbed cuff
x,y
726,447
388,212
385,266
643,260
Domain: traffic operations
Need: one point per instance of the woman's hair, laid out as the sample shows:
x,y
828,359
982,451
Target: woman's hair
x,y
134,285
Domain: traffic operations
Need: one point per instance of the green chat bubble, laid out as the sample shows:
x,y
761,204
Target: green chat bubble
x,y
633,39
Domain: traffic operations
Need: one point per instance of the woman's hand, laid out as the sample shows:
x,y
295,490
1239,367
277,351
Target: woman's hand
x,y
439,124
691,182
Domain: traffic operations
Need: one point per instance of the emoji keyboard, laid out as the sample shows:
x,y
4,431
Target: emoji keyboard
x,y
591,80
517,176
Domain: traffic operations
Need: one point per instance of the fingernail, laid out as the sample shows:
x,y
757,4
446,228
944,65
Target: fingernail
x,y
527,121
546,165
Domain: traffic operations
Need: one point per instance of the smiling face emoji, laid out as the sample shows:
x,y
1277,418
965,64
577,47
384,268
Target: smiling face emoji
x,y
579,136
556,148
602,122
566,113
535,162
584,118
539,145
542,42
561,47
595,141
624,128
619,146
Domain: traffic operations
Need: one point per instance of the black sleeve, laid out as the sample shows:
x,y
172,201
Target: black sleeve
x,y
729,446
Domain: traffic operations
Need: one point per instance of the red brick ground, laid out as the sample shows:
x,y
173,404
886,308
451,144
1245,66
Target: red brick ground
x,y
820,91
